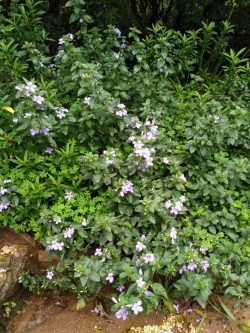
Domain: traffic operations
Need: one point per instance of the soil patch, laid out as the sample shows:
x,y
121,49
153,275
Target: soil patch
x,y
58,314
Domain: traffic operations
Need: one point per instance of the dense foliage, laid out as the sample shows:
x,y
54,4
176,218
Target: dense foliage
x,y
127,158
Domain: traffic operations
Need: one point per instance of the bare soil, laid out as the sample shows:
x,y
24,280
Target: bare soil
x,y
58,314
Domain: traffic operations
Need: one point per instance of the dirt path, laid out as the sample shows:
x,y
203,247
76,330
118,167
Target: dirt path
x,y
58,314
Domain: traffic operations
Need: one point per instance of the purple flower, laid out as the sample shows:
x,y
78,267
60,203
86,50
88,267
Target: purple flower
x,y
173,234
203,249
110,277
192,266
33,131
168,204
68,196
118,32
183,269
149,257
3,191
204,265
38,99
148,293
55,245
30,87
190,311
140,247
58,220
120,288
50,275
59,54
7,181
123,45
140,283
126,187
61,112
71,36
48,150
85,222
4,205
176,306
68,233
61,41
136,307
216,119
87,100
44,131
133,52
98,252
122,313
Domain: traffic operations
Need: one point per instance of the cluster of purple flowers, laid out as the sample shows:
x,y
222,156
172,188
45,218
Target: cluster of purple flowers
x,y
61,112
151,133
68,233
177,207
121,110
4,205
42,131
68,37
140,247
135,122
29,90
109,156
127,187
192,266
55,245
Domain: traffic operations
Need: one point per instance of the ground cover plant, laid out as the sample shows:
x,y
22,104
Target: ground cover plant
x,y
127,158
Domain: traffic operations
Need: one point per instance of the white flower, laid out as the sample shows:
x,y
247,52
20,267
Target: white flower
x,y
136,307
140,283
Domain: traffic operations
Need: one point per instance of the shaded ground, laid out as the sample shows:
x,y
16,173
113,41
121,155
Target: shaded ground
x,y
58,314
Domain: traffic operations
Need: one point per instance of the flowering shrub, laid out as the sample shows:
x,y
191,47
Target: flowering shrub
x,y
131,176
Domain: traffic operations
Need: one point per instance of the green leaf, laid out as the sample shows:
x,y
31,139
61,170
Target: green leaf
x,y
80,304
229,314
159,290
